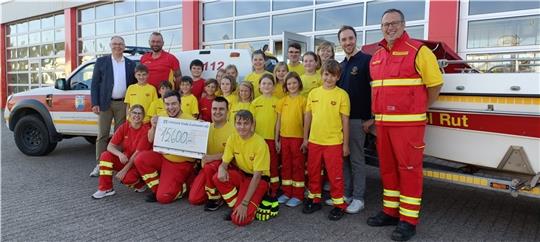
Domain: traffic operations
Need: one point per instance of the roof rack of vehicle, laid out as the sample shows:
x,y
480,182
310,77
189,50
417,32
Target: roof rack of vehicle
x,y
132,50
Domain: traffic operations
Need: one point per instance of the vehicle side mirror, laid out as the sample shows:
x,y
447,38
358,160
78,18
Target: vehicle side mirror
x,y
60,84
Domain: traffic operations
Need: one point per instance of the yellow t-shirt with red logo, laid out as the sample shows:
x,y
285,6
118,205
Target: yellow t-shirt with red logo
x,y
326,107
309,82
292,116
175,158
143,95
264,112
190,106
299,69
249,155
217,138
254,78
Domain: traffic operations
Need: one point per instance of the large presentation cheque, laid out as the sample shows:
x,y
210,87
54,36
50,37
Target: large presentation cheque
x,y
181,137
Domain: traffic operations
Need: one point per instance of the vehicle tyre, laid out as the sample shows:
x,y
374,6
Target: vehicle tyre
x,y
91,139
32,136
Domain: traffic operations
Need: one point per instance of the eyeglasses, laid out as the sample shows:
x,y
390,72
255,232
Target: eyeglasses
x,y
393,24
117,44
136,113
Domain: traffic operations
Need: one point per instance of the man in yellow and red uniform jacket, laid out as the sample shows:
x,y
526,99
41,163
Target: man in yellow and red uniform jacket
x,y
406,80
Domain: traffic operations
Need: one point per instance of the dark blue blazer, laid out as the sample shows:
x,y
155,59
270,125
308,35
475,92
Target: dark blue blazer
x,y
103,81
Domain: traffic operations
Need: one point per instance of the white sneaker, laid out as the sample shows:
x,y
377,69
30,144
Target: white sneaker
x,y
330,203
140,190
355,206
95,172
101,194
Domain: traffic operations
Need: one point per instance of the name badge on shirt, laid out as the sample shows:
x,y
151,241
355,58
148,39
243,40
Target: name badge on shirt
x,y
400,52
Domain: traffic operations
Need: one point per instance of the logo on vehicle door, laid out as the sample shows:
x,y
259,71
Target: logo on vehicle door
x,y
79,103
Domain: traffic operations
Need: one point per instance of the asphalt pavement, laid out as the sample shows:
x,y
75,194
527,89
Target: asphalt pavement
x,y
48,199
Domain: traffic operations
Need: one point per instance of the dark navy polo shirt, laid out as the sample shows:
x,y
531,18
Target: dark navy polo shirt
x,y
355,80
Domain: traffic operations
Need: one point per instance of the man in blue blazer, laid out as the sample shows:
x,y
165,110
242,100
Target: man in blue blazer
x,y
112,75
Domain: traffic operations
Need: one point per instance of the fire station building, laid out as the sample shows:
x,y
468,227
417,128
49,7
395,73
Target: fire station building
x,y
41,41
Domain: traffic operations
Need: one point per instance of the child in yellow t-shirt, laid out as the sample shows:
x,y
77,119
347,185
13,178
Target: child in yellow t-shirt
x,y
189,103
280,71
310,79
158,106
257,62
140,93
245,97
228,88
289,137
263,109
326,137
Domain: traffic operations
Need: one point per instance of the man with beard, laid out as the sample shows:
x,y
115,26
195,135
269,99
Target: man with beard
x,y
161,64
355,81
165,174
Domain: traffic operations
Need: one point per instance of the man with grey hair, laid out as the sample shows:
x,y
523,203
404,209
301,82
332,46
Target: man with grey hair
x,y
110,79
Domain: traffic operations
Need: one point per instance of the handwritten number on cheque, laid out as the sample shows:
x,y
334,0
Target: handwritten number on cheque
x,y
174,136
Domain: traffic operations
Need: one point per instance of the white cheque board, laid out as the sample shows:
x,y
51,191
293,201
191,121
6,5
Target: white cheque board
x,y
182,137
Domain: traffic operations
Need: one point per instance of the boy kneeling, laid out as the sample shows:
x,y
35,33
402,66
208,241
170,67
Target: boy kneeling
x,y
243,185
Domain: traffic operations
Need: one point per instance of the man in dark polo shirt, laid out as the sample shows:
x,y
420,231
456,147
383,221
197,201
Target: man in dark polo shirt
x,y
355,80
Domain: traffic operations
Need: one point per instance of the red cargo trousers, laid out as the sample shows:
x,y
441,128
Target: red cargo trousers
x,y
332,157
234,190
292,168
400,150
109,163
274,167
203,187
168,180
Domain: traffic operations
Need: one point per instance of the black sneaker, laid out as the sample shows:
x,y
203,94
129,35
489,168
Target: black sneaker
x,y
336,214
311,207
404,231
151,198
213,205
382,219
228,216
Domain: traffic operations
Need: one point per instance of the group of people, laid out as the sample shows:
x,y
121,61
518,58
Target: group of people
x,y
275,138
